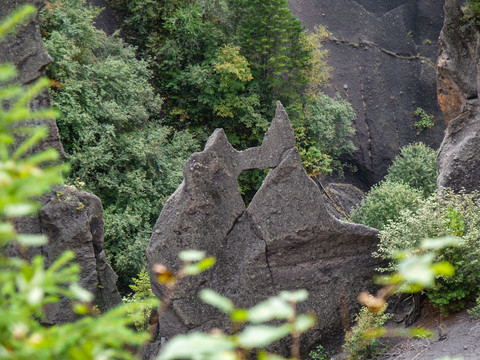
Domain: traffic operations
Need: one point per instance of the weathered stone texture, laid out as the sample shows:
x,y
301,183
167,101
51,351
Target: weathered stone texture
x,y
284,240
458,81
340,198
72,220
382,53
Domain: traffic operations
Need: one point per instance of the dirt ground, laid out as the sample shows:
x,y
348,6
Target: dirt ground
x,y
457,337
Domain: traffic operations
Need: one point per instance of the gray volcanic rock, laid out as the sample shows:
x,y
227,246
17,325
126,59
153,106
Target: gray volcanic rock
x,y
27,52
458,82
382,53
72,220
284,240
340,198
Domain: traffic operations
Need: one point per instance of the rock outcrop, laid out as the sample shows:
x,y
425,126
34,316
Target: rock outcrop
x,y
340,198
284,240
457,82
382,54
27,52
71,219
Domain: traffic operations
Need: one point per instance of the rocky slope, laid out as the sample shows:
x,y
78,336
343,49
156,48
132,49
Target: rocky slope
x,y
383,54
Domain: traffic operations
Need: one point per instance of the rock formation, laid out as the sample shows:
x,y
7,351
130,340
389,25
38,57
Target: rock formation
x,y
71,219
458,81
382,54
284,240
341,198
27,52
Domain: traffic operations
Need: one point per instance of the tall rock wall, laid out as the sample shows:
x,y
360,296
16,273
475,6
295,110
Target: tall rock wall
x,y
71,219
284,240
458,83
383,54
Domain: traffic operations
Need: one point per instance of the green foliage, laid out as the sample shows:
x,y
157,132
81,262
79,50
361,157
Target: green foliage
x,y
27,287
423,120
416,166
475,311
358,345
325,134
385,202
472,11
111,130
441,215
271,38
142,296
318,71
254,333
416,271
319,354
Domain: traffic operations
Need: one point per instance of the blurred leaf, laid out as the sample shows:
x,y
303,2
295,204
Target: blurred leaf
x,y
197,346
304,322
7,72
220,302
444,268
192,255
201,266
416,269
440,243
257,336
239,315
32,240
273,308
263,355
81,309
20,209
19,16
421,333
294,296
80,293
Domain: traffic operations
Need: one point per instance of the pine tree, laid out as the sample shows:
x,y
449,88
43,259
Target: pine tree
x,y
271,39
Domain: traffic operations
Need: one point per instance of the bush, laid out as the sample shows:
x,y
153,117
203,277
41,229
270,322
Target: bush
x,y
385,202
416,166
358,345
423,120
325,134
444,214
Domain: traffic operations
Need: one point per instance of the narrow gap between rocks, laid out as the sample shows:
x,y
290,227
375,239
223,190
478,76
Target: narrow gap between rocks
x,y
249,182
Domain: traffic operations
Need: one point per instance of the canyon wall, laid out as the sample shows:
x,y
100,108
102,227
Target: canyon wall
x,y
383,55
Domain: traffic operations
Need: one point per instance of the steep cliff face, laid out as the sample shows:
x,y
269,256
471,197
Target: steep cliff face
x,y
458,82
383,54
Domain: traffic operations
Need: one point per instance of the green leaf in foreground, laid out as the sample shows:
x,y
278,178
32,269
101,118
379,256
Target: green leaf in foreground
x,y
196,346
257,336
271,309
220,302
